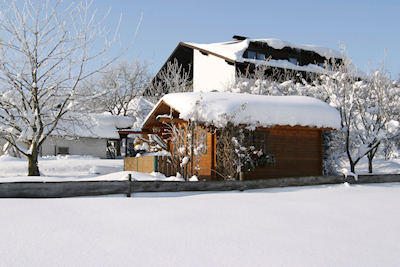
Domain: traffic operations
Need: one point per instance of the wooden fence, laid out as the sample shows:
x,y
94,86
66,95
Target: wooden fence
x,y
162,164
95,188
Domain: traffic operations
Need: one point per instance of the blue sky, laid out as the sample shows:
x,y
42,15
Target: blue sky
x,y
366,27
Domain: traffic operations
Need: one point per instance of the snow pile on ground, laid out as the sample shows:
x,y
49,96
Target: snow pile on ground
x,y
219,108
300,226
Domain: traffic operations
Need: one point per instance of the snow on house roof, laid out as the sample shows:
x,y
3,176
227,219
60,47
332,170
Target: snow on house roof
x,y
231,50
102,125
219,108
105,125
322,51
234,50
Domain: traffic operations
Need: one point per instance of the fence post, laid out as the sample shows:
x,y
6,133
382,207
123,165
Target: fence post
x,y
241,180
128,194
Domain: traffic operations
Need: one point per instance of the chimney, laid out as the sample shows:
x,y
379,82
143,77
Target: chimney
x,y
239,38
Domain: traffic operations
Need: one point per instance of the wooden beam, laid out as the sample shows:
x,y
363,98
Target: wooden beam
x,y
296,127
123,132
168,120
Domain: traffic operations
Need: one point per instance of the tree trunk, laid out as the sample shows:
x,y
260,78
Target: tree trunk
x,y
370,163
352,167
33,167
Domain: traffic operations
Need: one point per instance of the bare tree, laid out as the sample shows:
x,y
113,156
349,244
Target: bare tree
x,y
267,80
116,87
378,113
188,141
173,78
47,50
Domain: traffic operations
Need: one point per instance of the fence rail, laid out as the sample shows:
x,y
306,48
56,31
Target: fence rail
x,y
167,165
96,188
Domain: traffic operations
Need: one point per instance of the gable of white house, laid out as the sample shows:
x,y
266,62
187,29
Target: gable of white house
x,y
211,73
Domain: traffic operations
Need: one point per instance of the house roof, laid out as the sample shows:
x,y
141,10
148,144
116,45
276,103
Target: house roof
x,y
105,125
233,51
219,108
94,125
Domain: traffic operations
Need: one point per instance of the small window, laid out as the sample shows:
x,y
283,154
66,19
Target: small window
x,y
260,56
293,60
63,150
201,142
251,54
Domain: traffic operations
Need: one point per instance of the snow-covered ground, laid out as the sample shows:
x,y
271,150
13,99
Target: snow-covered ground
x,y
299,226
86,168
338,225
72,168
60,167
380,166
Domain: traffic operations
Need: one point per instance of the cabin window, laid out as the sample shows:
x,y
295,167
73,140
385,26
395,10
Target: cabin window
x,y
258,139
201,142
258,142
63,150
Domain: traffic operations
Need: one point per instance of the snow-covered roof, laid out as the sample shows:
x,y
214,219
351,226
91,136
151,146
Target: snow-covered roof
x,y
279,44
234,50
95,125
219,108
231,50
105,125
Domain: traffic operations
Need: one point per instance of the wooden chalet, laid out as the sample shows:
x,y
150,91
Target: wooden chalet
x,y
295,149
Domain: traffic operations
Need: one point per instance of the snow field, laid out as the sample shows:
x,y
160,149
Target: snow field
x,y
73,168
86,168
309,226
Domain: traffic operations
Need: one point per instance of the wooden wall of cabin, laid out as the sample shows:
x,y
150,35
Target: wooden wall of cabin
x,y
297,152
205,162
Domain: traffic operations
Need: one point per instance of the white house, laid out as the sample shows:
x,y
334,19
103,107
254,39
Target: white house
x,y
93,134
215,66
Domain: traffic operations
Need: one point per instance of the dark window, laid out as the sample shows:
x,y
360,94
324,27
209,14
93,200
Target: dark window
x,y
251,54
260,56
201,142
63,150
293,60
255,55
259,139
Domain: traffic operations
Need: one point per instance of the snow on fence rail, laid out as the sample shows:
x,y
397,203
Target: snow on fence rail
x,y
95,188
